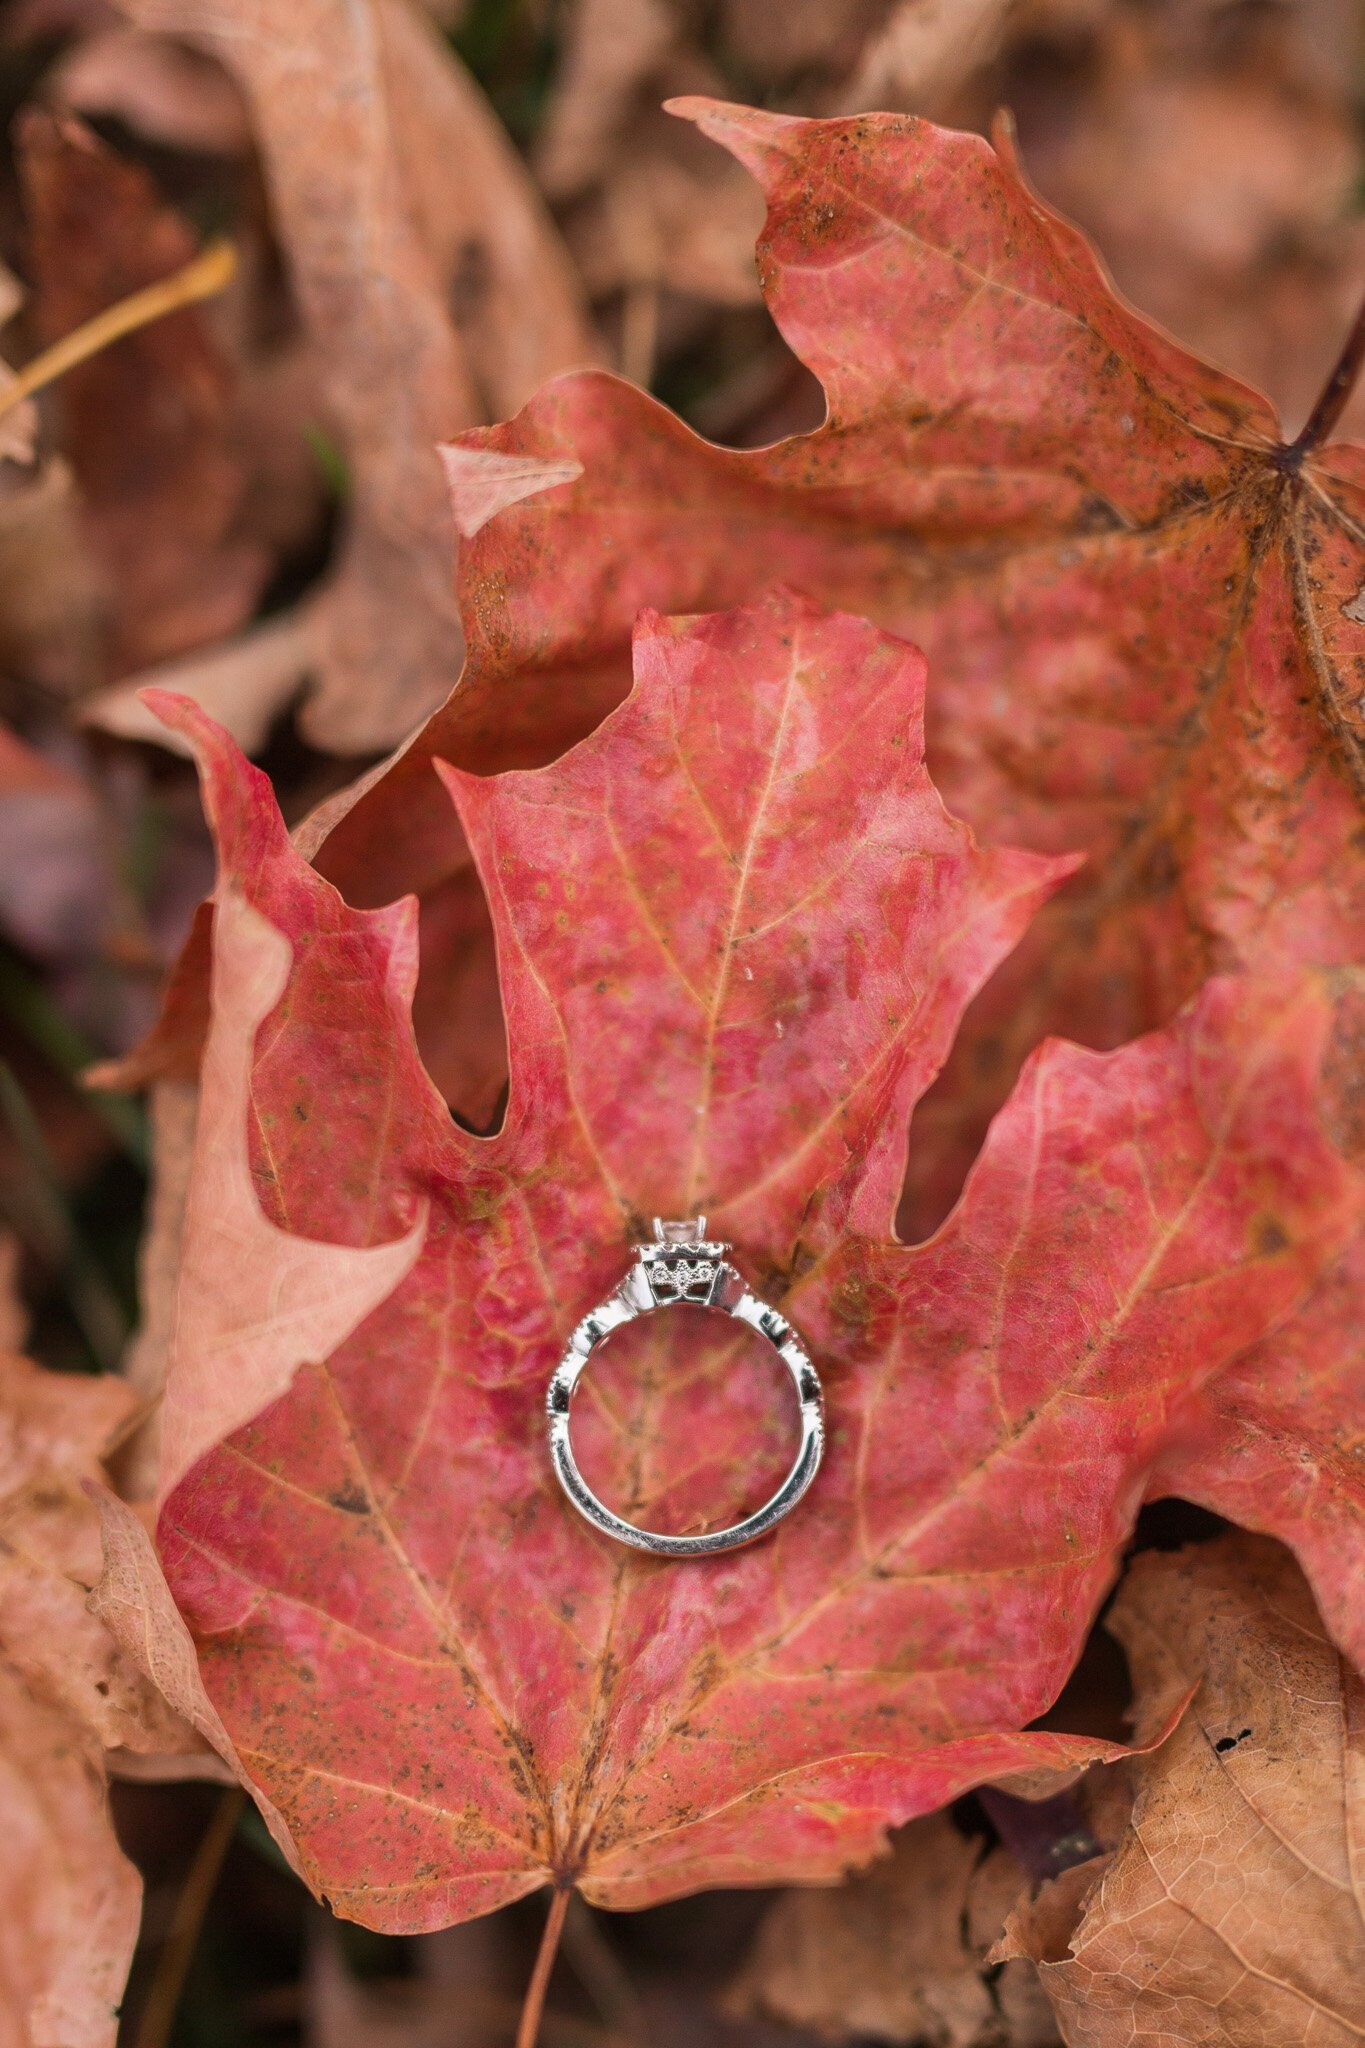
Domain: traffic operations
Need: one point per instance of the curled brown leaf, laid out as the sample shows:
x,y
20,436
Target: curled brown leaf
x,y
1233,1910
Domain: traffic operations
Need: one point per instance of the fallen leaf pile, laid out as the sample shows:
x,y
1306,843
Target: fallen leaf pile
x,y
918,830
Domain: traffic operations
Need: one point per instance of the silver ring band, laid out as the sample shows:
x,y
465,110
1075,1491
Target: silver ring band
x,y
682,1266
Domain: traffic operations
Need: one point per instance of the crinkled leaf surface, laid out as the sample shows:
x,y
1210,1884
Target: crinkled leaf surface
x,y
736,929
1233,1909
1140,608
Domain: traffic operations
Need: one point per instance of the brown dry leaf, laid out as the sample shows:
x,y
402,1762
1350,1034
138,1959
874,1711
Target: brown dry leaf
x,y
134,1603
156,87
1216,165
170,96
149,419
1233,1910
899,1952
922,54
171,1116
504,273
69,1902
667,213
56,891
674,216
52,596
244,684
653,209
611,49
53,1428
359,113
802,45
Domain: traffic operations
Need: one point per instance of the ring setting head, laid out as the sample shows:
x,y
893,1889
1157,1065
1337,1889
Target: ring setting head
x,y
682,1263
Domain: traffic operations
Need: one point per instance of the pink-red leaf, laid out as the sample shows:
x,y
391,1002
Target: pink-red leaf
x,y
1140,607
735,930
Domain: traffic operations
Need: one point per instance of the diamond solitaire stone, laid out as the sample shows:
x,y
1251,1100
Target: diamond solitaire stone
x,y
684,1234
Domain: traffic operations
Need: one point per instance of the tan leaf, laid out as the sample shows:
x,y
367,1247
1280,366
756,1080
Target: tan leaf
x,y
516,299
134,1603
667,215
227,1360
922,53
244,684
53,1427
899,1951
149,421
53,596
360,112
611,47
1232,1910
395,376
172,1108
155,86
69,1902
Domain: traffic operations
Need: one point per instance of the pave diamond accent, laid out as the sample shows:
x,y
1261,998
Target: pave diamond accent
x,y
674,1279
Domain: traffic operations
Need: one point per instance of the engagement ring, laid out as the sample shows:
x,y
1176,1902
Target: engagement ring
x,y
683,1265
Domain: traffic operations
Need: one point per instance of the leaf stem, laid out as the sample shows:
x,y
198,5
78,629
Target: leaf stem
x,y
528,2028
163,2000
200,279
1335,394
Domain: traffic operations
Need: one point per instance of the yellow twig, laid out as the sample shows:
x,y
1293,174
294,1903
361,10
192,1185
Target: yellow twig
x,y
207,274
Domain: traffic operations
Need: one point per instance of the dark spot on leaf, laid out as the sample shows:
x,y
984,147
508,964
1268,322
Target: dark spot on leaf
x,y
350,1500
1227,1742
1097,515
1268,1237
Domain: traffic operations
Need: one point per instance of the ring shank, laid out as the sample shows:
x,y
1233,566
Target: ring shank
x,y
729,1294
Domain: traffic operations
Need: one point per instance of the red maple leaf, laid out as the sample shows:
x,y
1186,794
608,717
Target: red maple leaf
x,y
736,929
1142,608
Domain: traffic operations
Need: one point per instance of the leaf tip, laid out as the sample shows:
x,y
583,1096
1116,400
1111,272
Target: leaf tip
x,y
482,482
